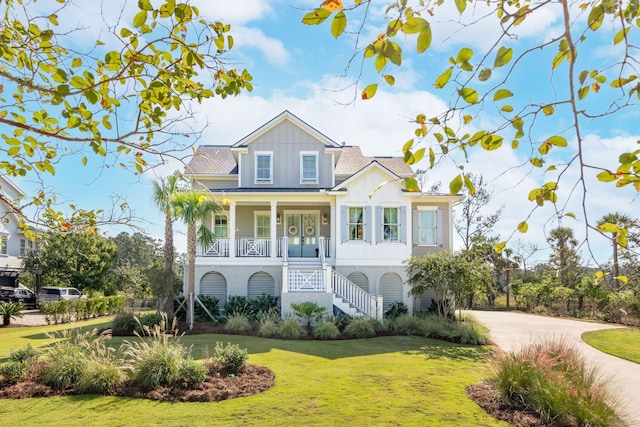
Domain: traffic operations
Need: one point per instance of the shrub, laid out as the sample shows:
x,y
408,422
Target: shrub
x,y
470,332
268,327
211,304
264,303
396,309
553,379
309,311
407,324
361,327
100,376
193,372
81,309
14,371
435,327
230,356
25,354
67,364
326,330
123,324
290,329
238,323
236,304
150,321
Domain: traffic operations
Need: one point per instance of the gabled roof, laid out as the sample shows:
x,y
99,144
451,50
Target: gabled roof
x,y
285,115
371,165
351,161
213,160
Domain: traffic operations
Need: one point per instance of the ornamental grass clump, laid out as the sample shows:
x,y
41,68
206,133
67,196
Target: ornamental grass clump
x,y
553,379
268,327
238,323
407,324
470,332
361,327
289,328
326,330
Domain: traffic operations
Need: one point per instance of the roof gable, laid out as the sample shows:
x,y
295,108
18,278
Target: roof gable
x,y
285,116
213,160
351,161
373,165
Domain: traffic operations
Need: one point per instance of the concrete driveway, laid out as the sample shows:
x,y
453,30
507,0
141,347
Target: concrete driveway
x,y
511,331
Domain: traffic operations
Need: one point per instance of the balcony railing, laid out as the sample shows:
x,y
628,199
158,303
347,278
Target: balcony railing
x,y
257,247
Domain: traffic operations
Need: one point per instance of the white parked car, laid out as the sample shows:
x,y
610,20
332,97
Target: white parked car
x,y
48,294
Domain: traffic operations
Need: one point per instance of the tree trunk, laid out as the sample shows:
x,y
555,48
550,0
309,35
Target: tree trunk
x,y
191,248
6,320
616,270
507,290
168,259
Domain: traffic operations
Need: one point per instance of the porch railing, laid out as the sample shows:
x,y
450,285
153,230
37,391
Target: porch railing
x,y
306,281
253,247
258,247
219,248
368,304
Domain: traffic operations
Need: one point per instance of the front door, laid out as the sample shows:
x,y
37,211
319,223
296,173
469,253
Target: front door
x,y
302,233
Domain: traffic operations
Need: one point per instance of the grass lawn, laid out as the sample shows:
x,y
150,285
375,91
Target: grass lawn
x,y
386,381
623,343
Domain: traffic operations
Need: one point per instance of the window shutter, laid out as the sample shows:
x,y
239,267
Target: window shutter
x,y
368,225
379,226
415,227
439,229
402,226
344,223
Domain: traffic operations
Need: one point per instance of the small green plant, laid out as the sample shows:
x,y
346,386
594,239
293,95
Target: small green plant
x,y
123,324
309,311
230,357
326,330
237,304
361,327
25,354
395,310
193,372
407,324
13,371
67,364
238,323
289,328
264,303
10,310
101,376
268,327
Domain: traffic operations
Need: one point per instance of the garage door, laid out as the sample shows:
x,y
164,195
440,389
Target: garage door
x,y
390,289
359,279
214,284
261,283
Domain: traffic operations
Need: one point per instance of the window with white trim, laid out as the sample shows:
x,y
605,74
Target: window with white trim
x,y
356,224
3,244
390,225
427,227
26,245
309,167
264,167
220,229
263,225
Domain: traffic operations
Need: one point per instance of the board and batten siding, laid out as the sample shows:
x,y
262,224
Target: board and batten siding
x,y
286,141
418,250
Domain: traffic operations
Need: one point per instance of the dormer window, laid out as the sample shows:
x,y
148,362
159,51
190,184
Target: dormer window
x,y
264,167
309,167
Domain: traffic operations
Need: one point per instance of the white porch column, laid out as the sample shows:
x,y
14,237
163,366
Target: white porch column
x,y
232,230
285,278
334,234
272,223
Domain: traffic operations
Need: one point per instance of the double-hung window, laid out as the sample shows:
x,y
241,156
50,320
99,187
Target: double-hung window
x,y
264,167
220,226
263,225
427,227
26,245
3,244
309,167
390,225
356,224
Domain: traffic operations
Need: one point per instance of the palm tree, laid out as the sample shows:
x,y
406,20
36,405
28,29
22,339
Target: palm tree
x,y
163,191
563,243
193,207
615,222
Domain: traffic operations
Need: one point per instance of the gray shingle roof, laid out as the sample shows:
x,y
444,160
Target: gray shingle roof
x,y
213,160
351,161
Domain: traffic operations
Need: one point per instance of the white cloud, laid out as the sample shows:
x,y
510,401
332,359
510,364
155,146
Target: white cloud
x,y
234,11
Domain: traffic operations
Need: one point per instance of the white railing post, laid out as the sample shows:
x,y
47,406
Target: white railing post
x,y
285,278
328,278
379,313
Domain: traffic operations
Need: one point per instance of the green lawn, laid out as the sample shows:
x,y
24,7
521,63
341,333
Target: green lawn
x,y
408,381
623,343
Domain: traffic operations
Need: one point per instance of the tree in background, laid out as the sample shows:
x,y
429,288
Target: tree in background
x,y
619,226
164,189
123,101
193,207
472,224
564,258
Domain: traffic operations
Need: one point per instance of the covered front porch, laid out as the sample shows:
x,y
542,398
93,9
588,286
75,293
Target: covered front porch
x,y
277,229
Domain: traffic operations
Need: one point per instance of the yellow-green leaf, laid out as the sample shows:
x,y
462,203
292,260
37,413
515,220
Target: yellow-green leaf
x,y
443,79
407,145
461,5
316,17
621,35
411,184
503,56
455,185
470,187
583,92
558,141
424,39
464,55
370,91
623,279
338,24
548,110
389,79
523,227
414,25
570,215
469,95
140,18
502,94
606,176
596,16
499,247
599,275
84,161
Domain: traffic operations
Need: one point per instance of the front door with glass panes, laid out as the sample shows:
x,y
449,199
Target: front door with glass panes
x,y
302,234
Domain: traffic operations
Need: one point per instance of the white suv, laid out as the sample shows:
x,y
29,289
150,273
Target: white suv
x,y
48,294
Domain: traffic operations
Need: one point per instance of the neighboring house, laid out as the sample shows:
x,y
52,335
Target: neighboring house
x,y
303,218
13,244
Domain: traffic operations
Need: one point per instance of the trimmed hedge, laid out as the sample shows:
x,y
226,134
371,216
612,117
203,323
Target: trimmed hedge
x,y
82,309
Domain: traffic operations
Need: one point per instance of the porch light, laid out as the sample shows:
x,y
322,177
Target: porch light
x,y
325,219
278,218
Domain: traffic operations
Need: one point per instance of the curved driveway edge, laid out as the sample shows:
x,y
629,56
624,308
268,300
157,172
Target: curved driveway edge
x,y
512,331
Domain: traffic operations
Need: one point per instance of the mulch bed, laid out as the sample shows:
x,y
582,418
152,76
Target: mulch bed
x,y
250,380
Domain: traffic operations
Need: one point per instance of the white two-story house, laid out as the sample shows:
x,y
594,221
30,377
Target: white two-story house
x,y
13,244
305,219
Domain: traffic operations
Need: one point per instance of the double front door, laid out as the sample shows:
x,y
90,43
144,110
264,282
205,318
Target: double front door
x,y
302,234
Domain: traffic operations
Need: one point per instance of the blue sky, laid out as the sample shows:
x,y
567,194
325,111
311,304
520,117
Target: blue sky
x,y
302,69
